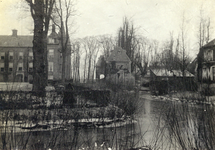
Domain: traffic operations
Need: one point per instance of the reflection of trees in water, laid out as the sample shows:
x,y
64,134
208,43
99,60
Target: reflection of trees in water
x,y
71,137
176,126
190,126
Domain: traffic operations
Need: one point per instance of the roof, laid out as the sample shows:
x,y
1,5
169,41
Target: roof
x,y
211,43
16,41
166,73
118,54
53,34
161,72
192,66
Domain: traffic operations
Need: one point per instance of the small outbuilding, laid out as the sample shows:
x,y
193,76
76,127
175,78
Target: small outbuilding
x,y
118,68
163,81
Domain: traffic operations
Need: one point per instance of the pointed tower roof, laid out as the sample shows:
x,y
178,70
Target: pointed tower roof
x,y
53,34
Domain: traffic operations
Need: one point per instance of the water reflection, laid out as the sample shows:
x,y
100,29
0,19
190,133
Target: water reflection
x,y
157,124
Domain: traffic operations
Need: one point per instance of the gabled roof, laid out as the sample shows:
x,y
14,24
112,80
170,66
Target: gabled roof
x,y
161,72
211,43
192,66
178,73
16,41
119,55
54,35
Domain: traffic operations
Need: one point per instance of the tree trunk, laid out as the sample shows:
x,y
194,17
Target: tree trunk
x,y
63,66
45,59
85,66
89,68
39,82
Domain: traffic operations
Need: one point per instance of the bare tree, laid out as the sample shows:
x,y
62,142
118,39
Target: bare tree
x,y
204,29
94,58
41,11
63,11
91,46
138,48
142,52
183,45
76,61
107,44
126,36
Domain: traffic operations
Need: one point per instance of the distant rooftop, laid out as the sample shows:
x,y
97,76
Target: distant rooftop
x,y
16,41
166,73
118,54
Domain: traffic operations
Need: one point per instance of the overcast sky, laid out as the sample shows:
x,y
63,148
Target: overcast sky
x,y
155,19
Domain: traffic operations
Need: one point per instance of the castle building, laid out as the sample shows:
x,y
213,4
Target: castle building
x,y
16,57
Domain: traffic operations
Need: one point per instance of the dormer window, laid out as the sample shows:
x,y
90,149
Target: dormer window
x,y
208,55
55,40
51,40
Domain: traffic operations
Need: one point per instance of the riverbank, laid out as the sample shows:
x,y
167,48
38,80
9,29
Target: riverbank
x,y
186,97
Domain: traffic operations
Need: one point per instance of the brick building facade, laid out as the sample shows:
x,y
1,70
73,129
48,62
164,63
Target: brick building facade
x,y
16,58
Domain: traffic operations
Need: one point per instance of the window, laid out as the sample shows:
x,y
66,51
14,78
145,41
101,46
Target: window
x,y
10,55
30,67
51,64
10,66
55,40
208,55
20,55
20,67
2,54
2,67
51,53
30,56
50,77
51,40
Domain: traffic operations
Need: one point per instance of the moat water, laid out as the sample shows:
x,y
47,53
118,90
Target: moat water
x,y
157,124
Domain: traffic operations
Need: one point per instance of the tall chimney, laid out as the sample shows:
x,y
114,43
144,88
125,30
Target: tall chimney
x,y
14,32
